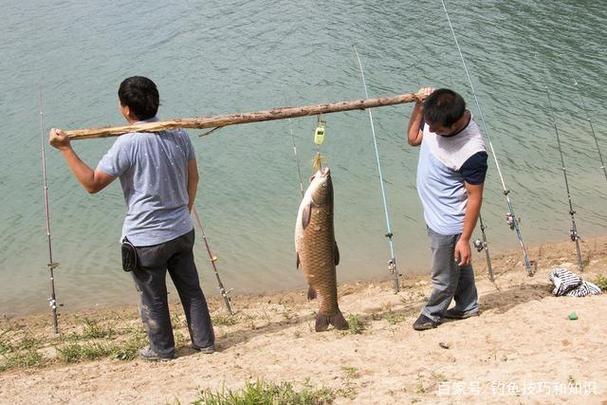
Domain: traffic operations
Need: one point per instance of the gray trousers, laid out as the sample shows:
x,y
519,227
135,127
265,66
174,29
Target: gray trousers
x,y
177,257
449,280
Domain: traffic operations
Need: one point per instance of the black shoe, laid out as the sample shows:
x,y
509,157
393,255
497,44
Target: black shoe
x,y
455,314
148,354
423,323
205,350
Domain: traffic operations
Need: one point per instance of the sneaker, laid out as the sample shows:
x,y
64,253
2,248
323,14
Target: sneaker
x,y
423,323
148,354
455,314
205,350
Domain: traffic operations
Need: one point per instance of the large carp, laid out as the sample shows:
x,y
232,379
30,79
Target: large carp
x,y
317,252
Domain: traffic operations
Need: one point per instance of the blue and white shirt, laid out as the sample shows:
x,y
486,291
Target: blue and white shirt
x,y
153,172
445,163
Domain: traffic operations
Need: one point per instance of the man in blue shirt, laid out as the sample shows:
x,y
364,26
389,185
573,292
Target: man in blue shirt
x,y
450,175
159,179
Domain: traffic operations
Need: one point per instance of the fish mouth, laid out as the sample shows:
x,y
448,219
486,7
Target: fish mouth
x,y
322,172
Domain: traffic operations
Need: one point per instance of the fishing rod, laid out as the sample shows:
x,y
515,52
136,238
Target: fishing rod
x,y
573,234
224,293
52,265
511,219
596,141
389,234
479,244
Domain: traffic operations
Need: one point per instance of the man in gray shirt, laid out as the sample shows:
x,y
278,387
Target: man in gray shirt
x,y
159,178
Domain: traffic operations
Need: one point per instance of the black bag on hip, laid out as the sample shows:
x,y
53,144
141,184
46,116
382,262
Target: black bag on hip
x,y
129,256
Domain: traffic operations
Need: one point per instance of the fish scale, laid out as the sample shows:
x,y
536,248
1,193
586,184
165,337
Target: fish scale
x,y
317,253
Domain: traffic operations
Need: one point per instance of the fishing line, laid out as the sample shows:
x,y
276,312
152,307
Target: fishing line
x,y
224,293
319,139
511,219
479,244
47,219
573,234
301,186
389,234
596,141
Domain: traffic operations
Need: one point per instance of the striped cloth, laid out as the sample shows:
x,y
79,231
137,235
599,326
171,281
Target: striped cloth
x,y
570,284
586,288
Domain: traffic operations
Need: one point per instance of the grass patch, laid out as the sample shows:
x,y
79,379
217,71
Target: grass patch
x,y
393,317
348,390
75,352
5,346
601,282
22,359
350,372
224,320
129,350
261,392
355,325
91,330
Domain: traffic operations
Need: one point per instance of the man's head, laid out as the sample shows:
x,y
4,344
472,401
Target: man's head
x,y
443,109
138,98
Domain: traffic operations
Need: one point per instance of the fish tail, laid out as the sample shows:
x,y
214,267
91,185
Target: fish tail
x,y
337,320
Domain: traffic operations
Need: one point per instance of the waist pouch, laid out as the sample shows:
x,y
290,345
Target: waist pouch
x,y
129,256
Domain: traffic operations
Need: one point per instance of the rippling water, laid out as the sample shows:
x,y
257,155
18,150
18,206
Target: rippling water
x,y
218,57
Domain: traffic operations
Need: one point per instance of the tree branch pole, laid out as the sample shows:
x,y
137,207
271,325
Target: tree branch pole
x,y
243,118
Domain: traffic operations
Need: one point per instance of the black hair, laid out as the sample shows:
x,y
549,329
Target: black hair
x,y
444,107
140,95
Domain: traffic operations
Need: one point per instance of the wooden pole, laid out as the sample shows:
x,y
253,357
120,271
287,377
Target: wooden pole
x,y
244,118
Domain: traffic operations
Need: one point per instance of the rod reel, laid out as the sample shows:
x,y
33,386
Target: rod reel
x,y
512,221
479,245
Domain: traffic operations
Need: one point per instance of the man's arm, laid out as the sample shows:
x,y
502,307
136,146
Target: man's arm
x,y
192,182
93,181
473,208
414,130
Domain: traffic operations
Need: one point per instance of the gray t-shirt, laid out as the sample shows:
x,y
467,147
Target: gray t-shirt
x,y
153,172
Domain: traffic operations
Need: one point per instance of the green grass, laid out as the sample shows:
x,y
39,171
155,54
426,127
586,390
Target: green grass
x,y
5,346
18,349
601,282
356,325
259,392
129,349
91,330
224,320
75,352
393,317
22,359
350,372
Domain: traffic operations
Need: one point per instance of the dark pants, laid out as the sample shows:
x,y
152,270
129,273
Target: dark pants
x,y
449,280
177,257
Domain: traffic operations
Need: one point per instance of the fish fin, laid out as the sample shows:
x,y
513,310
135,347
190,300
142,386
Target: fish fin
x,y
322,323
297,262
336,253
311,293
307,213
337,320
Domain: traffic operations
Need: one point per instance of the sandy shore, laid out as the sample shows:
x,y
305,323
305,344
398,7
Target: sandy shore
x,y
522,349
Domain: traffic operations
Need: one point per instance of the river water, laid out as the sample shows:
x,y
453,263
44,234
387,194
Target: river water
x,y
219,57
